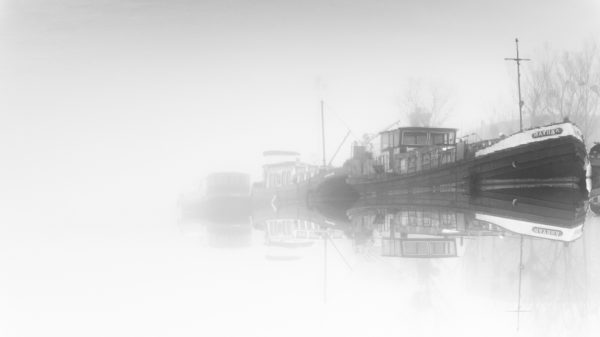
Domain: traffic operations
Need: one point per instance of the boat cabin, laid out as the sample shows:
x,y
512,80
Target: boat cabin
x,y
412,149
291,232
422,247
408,138
284,168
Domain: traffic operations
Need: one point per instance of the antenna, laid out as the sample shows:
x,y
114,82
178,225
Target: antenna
x,y
518,60
323,132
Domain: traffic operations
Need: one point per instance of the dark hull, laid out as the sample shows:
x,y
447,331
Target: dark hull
x,y
550,159
549,163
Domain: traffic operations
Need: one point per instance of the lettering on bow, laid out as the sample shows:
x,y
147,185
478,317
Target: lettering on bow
x,y
547,132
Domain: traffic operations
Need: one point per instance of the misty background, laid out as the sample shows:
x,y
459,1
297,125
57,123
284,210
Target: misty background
x,y
106,100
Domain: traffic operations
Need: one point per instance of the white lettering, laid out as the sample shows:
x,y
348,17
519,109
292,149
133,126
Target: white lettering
x,y
545,231
547,132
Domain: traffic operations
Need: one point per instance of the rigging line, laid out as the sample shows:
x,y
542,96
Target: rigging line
x,y
340,253
339,148
340,119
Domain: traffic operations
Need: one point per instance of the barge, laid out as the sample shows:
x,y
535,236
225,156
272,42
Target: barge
x,y
410,157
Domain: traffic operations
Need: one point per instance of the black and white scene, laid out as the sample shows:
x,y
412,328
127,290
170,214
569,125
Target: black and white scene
x,y
265,168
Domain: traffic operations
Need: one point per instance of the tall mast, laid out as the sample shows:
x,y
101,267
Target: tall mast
x,y
323,132
518,60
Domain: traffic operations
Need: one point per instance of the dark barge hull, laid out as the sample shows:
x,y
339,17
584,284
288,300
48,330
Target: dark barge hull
x,y
551,163
552,159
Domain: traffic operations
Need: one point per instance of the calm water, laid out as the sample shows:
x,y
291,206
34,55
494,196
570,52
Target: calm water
x,y
274,272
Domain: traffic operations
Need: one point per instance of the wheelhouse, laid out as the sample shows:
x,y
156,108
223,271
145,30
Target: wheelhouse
x,y
410,138
412,149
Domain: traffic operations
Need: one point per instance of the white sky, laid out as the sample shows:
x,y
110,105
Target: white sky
x,y
132,95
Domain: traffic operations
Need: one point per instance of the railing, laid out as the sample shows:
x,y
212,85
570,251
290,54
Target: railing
x,y
417,161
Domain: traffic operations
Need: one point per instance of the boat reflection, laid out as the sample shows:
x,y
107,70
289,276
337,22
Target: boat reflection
x,y
291,229
221,212
435,225
520,256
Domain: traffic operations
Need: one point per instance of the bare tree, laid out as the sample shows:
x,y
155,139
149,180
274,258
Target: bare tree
x,y
426,105
563,85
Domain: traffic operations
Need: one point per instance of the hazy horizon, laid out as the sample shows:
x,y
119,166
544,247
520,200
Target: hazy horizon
x,y
146,97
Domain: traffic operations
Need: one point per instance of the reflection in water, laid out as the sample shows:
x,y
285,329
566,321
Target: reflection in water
x,y
517,259
434,225
223,210
443,224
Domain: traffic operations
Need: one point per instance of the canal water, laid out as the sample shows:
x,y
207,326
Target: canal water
x,y
385,268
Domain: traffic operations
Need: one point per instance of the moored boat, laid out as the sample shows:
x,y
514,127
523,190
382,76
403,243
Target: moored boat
x,y
224,196
288,180
552,155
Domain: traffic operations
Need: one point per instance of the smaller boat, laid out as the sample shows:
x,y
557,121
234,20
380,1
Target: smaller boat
x,y
224,197
227,196
286,179
289,181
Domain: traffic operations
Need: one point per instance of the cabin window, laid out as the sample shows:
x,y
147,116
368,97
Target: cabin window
x,y
413,219
410,138
287,177
443,248
385,143
414,138
397,139
403,168
439,138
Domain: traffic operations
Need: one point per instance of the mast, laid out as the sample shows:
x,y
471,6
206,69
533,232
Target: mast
x,y
323,132
518,60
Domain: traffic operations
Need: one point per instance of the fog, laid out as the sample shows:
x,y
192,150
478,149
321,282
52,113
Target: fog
x,y
111,110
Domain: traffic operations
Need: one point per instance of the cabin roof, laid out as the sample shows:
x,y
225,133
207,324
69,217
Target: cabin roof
x,y
420,128
280,153
288,164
